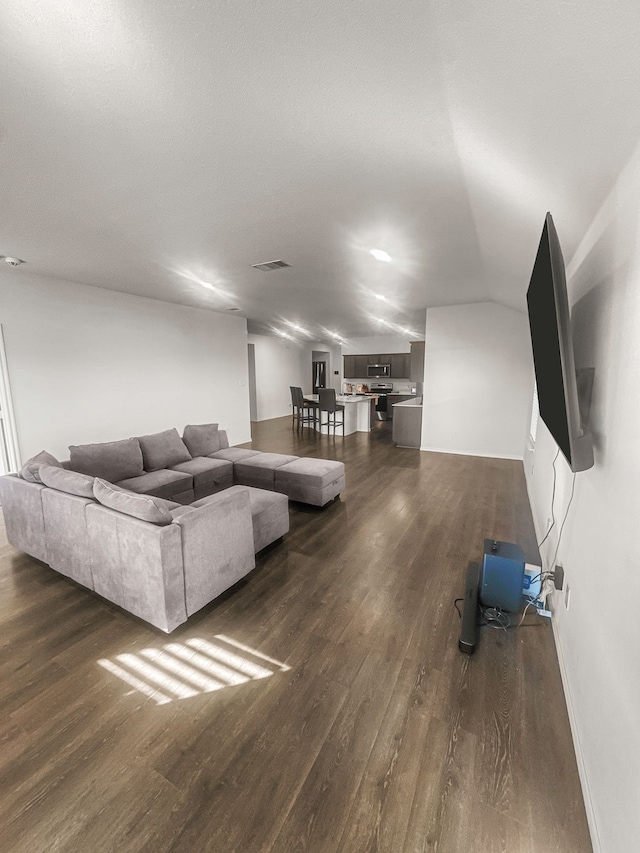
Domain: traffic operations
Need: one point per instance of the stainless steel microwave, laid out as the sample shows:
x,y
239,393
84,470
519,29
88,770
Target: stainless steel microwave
x,y
378,370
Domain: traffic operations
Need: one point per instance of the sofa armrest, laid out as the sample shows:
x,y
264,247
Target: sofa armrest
x,y
217,547
23,515
137,565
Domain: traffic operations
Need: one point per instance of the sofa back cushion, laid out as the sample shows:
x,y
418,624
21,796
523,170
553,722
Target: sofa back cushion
x,y
110,460
30,471
70,482
202,439
144,507
162,450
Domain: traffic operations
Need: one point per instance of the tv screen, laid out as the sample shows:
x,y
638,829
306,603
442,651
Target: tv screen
x,y
550,325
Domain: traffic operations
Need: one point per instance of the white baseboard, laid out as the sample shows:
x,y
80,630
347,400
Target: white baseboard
x,y
471,453
577,746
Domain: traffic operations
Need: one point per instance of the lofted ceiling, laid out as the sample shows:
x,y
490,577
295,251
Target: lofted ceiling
x,y
161,148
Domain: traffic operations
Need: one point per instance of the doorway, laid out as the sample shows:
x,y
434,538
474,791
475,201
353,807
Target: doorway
x,y
253,395
320,370
9,449
319,375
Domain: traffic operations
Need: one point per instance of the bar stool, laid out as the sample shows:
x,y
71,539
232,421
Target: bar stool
x,y
304,411
327,403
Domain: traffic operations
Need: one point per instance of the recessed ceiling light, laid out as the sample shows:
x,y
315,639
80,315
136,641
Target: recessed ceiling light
x,y
381,255
207,284
381,296
296,327
380,320
13,262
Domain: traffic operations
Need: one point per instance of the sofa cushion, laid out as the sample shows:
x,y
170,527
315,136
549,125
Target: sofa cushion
x,y
160,484
162,450
30,469
233,454
71,482
144,507
109,460
201,439
259,471
204,470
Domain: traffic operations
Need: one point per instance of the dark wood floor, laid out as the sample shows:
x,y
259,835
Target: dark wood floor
x,y
345,719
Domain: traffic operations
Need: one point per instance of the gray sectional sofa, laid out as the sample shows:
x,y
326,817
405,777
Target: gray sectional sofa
x,y
159,524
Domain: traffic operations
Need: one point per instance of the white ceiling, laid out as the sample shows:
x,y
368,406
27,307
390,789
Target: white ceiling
x,y
148,146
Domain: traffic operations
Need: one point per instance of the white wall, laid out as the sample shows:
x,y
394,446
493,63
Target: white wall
x,y
281,363
88,364
478,380
377,344
597,637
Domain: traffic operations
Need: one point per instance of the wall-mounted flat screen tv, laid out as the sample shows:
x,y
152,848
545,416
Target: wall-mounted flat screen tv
x,y
553,358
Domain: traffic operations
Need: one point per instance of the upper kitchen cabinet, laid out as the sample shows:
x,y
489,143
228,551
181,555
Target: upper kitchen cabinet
x,y
400,365
355,366
350,367
361,366
417,361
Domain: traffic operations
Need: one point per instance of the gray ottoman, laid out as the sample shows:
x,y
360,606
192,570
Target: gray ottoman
x,y
269,513
259,470
310,481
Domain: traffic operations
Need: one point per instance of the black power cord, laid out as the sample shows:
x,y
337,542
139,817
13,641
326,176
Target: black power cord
x,y
573,486
553,497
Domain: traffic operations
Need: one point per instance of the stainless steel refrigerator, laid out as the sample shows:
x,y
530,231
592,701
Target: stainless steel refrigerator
x,y
319,375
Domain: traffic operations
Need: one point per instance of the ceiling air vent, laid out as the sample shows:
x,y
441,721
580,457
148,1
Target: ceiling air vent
x,y
267,266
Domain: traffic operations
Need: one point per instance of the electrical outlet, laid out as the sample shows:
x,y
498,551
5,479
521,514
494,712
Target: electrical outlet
x,y
567,596
558,577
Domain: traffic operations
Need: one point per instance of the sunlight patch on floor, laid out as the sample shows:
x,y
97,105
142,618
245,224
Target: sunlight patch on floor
x,y
183,670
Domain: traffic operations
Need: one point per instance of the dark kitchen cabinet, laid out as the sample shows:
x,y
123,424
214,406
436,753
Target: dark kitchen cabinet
x,y
400,365
349,367
417,361
361,366
355,366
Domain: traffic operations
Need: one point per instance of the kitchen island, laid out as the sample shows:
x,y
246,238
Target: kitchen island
x,y
357,413
407,423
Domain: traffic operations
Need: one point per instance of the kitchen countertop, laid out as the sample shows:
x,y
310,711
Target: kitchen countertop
x,y
414,402
343,398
